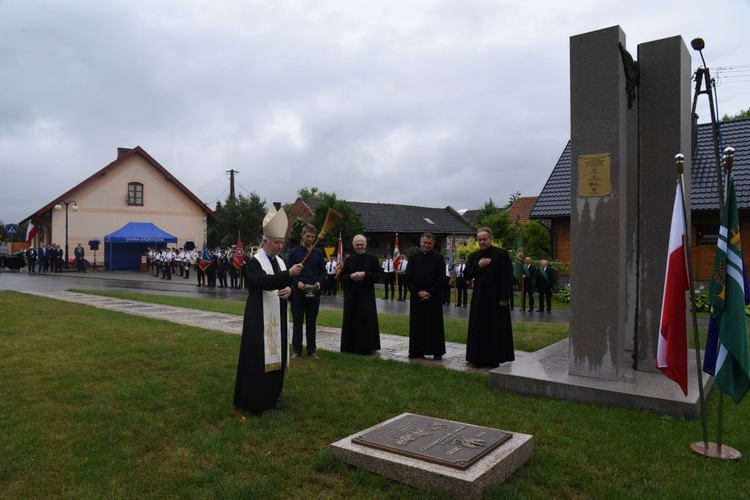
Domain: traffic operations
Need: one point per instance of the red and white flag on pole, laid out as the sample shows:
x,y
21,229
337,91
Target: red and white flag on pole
x,y
672,350
31,231
239,254
396,254
340,254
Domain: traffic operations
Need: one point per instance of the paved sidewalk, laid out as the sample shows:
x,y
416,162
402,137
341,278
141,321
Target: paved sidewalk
x,y
393,347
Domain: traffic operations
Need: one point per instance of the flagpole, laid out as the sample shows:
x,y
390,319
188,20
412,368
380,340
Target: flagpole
x,y
679,161
717,450
728,163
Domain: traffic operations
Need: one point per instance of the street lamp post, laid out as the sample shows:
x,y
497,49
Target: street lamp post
x,y
75,209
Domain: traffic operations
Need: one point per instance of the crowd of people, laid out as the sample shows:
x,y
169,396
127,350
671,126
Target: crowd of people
x,y
426,280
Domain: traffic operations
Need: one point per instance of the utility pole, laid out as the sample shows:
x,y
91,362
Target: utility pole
x,y
231,182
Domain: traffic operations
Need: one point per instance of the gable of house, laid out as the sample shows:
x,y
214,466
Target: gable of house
x,y
132,188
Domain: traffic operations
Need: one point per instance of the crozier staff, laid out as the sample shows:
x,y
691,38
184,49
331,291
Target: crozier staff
x,y
263,349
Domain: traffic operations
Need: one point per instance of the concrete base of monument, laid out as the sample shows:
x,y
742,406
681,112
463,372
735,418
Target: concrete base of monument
x,y
545,373
494,466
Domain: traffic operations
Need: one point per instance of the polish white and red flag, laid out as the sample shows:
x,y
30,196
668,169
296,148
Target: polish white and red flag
x,y
31,231
672,349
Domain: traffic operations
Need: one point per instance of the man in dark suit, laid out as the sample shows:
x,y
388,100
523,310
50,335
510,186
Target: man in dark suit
x,y
545,280
43,258
31,258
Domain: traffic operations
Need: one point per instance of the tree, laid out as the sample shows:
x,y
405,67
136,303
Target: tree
x,y
243,216
489,208
738,116
503,231
349,226
511,200
536,240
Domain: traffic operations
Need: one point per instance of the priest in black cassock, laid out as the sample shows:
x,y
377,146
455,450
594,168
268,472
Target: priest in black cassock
x,y
424,276
360,333
263,349
490,340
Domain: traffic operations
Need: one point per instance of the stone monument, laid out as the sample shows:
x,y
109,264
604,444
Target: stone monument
x,y
629,118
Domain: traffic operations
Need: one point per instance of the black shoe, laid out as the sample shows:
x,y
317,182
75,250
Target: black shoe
x,y
540,310
549,310
438,358
416,356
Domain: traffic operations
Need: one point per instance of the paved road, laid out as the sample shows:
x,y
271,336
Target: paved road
x,y
135,281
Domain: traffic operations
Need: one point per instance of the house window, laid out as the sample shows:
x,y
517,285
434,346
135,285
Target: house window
x,y
135,194
707,235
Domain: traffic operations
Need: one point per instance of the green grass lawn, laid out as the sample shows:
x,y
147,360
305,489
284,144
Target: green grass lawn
x,y
100,404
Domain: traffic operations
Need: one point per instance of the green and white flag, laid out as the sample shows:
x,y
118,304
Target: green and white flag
x,y
727,296
518,263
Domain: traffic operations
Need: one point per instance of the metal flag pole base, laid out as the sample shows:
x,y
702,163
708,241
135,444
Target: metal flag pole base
x,y
712,450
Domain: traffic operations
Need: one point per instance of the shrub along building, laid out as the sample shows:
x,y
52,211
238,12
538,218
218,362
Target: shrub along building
x,y
382,221
134,188
554,201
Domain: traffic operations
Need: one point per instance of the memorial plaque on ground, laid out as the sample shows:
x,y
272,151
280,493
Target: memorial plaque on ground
x,y
434,440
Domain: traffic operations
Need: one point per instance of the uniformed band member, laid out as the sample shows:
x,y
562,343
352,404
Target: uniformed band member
x,y
388,277
263,348
331,284
462,289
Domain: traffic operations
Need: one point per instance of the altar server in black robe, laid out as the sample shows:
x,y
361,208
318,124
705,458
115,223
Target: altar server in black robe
x,y
360,333
263,349
490,339
425,275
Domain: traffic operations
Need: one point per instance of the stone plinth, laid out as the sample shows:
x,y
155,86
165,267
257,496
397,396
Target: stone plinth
x,y
493,468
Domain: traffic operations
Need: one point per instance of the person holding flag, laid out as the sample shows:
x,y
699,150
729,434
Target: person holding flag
x,y
237,261
518,275
201,265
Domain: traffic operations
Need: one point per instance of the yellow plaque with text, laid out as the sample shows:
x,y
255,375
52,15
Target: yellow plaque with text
x,y
593,175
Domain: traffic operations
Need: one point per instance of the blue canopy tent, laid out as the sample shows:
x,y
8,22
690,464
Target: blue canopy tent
x,y
124,247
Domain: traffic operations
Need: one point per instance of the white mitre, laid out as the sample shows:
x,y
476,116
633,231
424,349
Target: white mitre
x,y
275,223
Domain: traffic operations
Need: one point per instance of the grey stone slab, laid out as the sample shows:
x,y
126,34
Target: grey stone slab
x,y
603,227
545,373
665,130
493,469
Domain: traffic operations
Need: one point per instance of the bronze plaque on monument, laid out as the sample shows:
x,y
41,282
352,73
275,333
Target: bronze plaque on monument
x,y
593,175
435,440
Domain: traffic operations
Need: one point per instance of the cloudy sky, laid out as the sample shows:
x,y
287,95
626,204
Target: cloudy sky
x,y
419,102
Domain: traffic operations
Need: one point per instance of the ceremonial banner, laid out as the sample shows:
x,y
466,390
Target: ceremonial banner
x,y
239,254
727,295
205,259
518,263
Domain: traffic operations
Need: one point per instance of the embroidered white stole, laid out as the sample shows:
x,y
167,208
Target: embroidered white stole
x,y
271,320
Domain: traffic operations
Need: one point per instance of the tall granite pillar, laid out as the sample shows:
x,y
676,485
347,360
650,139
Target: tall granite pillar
x,y
603,222
665,130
